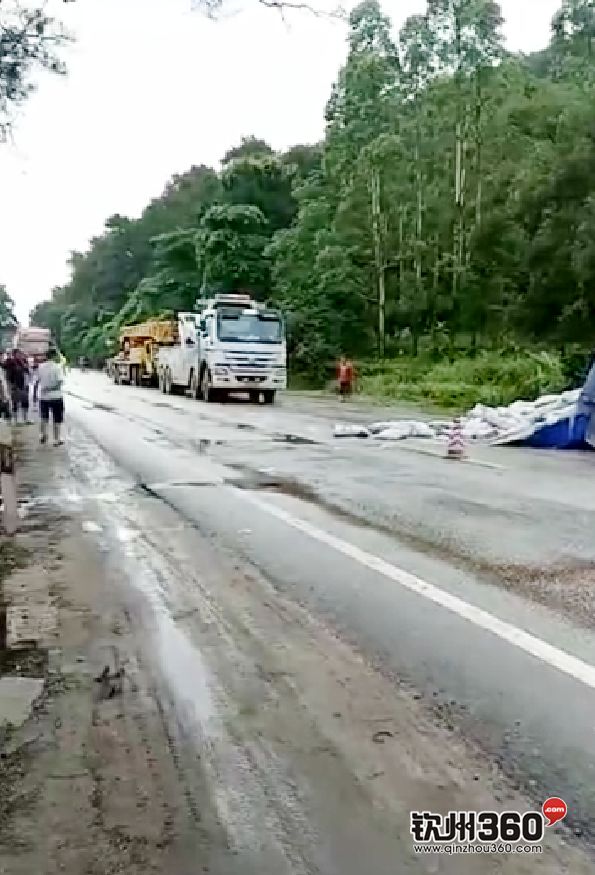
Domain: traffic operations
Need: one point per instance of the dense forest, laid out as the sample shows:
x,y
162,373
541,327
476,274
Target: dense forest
x,y
450,205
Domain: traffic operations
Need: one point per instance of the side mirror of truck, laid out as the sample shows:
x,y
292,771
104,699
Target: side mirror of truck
x,y
203,326
189,341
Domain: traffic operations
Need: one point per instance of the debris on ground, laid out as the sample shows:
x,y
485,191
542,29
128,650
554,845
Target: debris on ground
x,y
110,683
381,736
548,421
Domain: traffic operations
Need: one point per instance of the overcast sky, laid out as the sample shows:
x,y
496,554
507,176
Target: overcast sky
x,y
154,88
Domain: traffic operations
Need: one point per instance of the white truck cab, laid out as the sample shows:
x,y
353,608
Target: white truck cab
x,y
234,344
178,365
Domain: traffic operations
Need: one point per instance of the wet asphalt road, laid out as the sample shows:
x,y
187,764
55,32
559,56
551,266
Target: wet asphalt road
x,y
295,507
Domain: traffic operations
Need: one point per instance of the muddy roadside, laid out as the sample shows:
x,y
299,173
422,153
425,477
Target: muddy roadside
x,y
91,772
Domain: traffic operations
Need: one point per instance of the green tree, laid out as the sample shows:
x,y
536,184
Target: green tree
x,y
263,182
8,318
302,161
249,147
230,244
29,39
451,199
573,39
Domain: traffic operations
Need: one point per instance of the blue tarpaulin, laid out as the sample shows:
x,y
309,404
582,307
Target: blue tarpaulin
x,y
567,434
573,432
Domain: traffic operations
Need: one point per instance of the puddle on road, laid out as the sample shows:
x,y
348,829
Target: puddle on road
x,y
184,668
180,662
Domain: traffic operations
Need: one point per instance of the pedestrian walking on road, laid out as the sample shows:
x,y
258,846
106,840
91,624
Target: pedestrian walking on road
x,y
345,377
50,378
5,397
16,369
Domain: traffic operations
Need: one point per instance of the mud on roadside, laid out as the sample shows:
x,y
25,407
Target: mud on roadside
x,y
20,658
88,782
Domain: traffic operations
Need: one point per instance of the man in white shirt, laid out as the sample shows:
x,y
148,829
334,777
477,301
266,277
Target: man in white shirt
x,y
50,377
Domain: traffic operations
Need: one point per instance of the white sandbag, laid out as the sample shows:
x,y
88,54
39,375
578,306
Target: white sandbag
x,y
395,432
518,409
422,430
478,429
377,427
571,396
401,429
346,430
490,424
440,426
547,400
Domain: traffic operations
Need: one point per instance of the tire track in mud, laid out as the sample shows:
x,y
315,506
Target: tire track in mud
x,y
222,760
233,774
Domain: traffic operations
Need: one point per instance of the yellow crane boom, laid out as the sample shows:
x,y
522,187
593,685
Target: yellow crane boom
x,y
157,330
136,361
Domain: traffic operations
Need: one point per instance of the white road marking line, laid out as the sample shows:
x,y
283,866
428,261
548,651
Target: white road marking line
x,y
547,653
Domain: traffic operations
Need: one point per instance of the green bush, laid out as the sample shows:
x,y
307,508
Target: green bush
x,y
489,378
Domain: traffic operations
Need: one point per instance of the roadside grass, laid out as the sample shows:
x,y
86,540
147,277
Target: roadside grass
x,y
490,378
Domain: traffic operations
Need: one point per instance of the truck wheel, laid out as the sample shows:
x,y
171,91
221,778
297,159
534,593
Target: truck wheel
x,y
116,376
269,396
208,393
194,386
161,379
136,376
168,382
254,396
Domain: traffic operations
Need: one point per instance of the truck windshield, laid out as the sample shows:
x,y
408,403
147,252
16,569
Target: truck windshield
x,y
249,327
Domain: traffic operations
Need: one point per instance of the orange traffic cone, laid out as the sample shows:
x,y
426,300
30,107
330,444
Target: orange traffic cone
x,y
456,442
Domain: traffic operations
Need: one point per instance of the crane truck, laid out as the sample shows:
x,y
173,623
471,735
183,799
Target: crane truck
x,y
136,361
232,344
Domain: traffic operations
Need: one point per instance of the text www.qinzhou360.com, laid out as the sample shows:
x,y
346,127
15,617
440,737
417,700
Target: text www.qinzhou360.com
x,y
500,848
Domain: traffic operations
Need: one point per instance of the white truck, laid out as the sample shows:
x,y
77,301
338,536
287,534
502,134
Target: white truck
x,y
232,345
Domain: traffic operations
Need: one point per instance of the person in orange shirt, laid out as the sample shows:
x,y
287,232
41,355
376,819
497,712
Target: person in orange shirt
x,y
345,377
